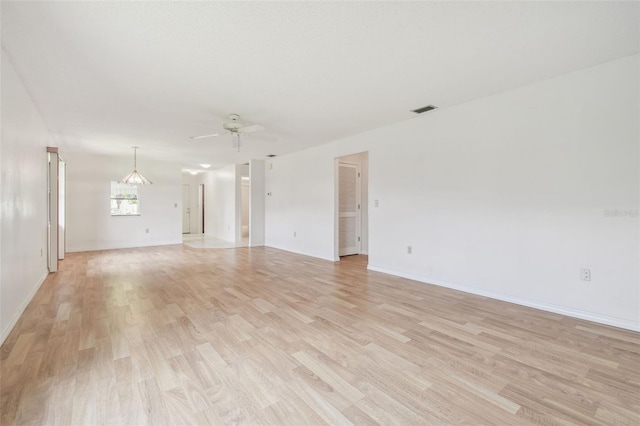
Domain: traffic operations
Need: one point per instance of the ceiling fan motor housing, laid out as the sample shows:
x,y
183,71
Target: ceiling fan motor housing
x,y
234,125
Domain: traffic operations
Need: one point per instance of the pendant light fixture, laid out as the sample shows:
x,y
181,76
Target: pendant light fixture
x,y
135,178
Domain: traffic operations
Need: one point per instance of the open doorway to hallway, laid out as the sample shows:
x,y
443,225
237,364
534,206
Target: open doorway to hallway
x,y
186,209
352,199
244,205
193,198
56,203
201,207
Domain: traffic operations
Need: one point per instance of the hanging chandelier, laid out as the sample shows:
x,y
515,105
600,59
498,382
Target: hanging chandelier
x,y
135,178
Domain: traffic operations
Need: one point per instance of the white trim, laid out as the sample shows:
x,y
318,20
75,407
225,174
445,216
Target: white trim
x,y
16,317
336,201
114,246
563,310
302,253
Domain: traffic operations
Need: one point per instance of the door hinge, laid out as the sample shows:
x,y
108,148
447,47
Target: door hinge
x,y
358,238
358,206
358,174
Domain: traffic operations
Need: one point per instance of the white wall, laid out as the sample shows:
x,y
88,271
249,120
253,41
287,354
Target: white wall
x,y
505,196
23,199
90,225
220,203
301,200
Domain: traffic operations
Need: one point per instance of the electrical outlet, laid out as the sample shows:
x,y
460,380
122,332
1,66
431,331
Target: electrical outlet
x,y
375,203
409,249
294,233
585,274
146,231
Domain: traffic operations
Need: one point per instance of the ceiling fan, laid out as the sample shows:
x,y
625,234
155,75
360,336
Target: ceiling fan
x,y
234,127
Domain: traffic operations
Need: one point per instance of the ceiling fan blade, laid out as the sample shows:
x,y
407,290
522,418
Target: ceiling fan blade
x,y
204,136
251,129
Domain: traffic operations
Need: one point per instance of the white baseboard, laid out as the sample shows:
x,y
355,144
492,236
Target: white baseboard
x,y
23,306
330,259
563,310
114,246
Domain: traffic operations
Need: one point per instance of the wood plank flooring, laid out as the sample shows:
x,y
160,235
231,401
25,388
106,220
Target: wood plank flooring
x,y
177,335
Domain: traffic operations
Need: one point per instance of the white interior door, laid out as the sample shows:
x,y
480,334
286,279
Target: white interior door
x,y
349,208
62,204
186,209
52,201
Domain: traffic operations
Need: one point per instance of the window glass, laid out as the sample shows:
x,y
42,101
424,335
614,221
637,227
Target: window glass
x,y
124,200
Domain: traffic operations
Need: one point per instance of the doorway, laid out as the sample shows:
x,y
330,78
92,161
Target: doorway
x,y
201,208
349,217
62,204
256,202
186,209
245,191
56,203
243,204
351,213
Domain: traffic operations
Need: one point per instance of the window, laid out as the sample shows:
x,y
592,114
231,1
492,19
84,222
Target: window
x,y
124,200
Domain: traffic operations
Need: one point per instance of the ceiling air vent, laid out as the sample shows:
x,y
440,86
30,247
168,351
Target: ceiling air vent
x,y
424,109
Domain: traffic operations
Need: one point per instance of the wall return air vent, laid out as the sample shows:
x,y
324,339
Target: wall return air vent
x,y
424,109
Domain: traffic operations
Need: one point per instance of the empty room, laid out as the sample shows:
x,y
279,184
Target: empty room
x,y
320,213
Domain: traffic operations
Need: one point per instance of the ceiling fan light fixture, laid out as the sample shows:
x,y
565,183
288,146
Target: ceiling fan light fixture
x,y
234,127
135,178
205,166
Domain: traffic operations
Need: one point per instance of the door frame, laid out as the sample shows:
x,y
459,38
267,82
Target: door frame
x,y
62,207
201,208
53,208
358,210
188,211
336,248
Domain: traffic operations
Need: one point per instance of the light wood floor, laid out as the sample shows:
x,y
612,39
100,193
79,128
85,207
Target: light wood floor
x,y
177,335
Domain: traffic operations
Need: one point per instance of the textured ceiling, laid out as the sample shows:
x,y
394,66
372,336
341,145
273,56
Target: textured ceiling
x,y
110,75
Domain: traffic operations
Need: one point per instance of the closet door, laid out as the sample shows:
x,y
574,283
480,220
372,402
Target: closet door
x,y
349,208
